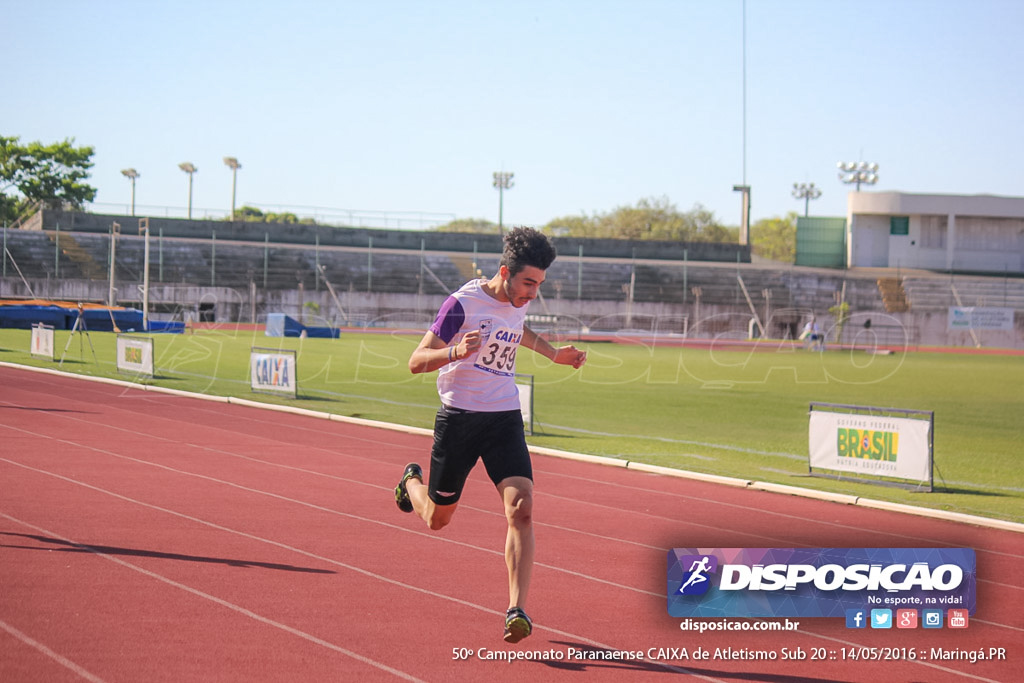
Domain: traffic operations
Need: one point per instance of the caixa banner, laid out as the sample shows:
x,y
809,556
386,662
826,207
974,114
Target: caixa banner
x,y
817,582
273,371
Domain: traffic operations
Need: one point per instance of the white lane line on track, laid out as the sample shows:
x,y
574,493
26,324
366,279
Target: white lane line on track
x,y
392,526
223,603
774,513
403,584
863,502
373,575
320,508
59,658
744,508
760,537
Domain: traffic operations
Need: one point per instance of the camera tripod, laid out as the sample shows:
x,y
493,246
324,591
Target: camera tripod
x,y
82,331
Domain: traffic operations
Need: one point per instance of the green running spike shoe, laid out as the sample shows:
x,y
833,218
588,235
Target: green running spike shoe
x,y
412,470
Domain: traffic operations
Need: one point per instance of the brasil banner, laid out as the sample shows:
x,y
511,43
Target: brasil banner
x,y
870,445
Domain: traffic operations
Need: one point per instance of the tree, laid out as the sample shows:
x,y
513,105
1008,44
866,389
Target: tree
x,y
571,226
250,214
51,175
775,238
650,219
469,225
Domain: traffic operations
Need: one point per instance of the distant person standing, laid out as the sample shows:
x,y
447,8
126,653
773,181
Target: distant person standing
x,y
811,336
473,343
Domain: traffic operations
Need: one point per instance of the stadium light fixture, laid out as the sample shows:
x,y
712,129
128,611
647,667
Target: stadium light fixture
x,y
187,167
858,172
806,192
131,174
232,163
502,182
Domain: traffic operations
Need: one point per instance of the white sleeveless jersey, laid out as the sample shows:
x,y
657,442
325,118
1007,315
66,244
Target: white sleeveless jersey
x,y
484,381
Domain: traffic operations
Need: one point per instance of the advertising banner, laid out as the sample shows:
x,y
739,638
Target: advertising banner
x,y
135,355
525,385
273,372
819,582
42,341
977,318
870,445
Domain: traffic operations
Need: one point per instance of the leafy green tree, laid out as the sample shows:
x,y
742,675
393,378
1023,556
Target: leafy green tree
x,y
51,175
250,214
650,219
572,226
775,238
469,225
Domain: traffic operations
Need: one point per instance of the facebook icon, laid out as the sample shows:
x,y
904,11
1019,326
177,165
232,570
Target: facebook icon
x,y
856,618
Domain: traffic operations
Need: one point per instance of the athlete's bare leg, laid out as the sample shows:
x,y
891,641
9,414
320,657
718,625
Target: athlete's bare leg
x,y
517,496
436,516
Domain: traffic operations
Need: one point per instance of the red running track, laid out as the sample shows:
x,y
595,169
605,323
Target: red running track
x,y
151,537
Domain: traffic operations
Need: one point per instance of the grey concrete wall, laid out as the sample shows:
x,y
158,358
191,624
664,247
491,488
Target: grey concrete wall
x,y
416,312
286,233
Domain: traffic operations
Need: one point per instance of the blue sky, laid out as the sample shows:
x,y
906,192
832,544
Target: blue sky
x,y
411,106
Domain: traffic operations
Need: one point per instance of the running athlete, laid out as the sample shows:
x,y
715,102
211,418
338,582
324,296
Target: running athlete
x,y
473,344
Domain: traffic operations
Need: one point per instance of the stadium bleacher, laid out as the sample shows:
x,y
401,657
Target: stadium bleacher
x,y
248,279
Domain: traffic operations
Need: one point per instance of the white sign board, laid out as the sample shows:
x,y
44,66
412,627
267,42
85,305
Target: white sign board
x,y
524,383
273,372
135,355
870,445
42,341
976,318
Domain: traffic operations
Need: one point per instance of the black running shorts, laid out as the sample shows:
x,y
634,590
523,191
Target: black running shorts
x,y
461,437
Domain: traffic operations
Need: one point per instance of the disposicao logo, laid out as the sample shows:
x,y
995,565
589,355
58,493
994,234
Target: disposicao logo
x,y
696,580
818,582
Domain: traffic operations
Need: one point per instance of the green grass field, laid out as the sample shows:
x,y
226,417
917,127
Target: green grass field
x,y
738,413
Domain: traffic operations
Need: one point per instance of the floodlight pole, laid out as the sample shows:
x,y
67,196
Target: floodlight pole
x,y
806,192
232,163
857,172
187,167
131,174
144,230
745,215
502,182
115,230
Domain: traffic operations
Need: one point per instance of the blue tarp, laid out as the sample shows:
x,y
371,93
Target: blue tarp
x,y
281,325
63,318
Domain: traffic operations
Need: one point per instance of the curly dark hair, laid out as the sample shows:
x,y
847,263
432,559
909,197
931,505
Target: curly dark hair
x,y
527,247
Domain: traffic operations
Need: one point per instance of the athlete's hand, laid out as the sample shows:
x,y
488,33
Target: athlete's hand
x,y
570,355
469,344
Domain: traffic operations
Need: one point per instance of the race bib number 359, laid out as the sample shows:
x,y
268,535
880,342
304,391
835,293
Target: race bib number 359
x,y
498,352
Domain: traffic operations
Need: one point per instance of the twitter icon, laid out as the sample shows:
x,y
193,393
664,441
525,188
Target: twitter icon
x,y
881,618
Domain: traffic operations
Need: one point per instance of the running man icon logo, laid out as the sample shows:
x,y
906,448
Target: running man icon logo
x,y
695,581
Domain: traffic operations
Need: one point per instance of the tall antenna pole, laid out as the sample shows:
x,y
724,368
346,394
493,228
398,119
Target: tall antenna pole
x,y
744,92
744,187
